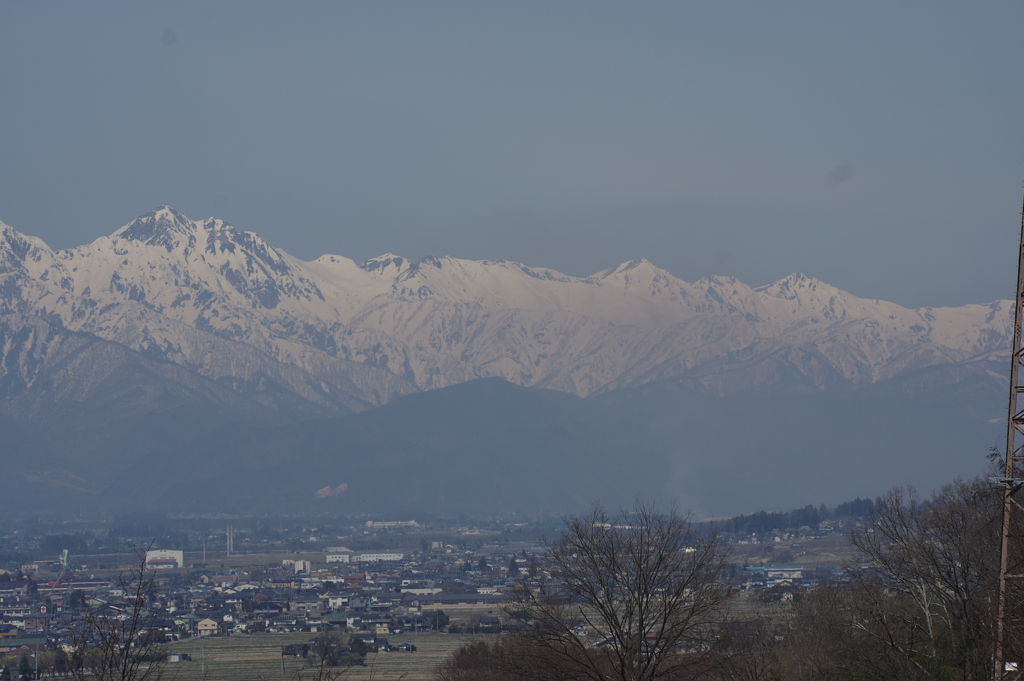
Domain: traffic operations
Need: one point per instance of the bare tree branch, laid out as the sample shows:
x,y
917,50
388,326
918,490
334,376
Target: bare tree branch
x,y
635,597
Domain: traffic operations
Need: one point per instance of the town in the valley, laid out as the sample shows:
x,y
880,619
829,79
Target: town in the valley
x,y
373,584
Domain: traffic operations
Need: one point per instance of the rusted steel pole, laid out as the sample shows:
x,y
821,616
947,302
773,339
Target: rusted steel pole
x,y
1011,481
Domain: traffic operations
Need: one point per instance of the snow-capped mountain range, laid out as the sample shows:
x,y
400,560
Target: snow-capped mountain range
x,y
333,336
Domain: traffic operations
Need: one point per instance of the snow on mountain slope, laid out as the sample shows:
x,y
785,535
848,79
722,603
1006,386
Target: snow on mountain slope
x,y
50,373
229,305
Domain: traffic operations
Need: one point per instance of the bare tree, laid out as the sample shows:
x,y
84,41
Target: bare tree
x,y
328,657
477,661
938,555
749,649
119,644
634,597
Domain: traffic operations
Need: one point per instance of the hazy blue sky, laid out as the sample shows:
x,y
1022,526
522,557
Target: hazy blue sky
x,y
876,146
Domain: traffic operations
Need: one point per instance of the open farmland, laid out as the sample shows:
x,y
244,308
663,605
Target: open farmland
x,y
258,656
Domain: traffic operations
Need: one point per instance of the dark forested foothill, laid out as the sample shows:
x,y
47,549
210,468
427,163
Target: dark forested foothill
x,y
808,516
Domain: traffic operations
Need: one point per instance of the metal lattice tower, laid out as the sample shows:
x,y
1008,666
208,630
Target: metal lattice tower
x,y
1008,663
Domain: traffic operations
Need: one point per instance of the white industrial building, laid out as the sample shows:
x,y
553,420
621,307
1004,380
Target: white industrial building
x,y
165,559
377,557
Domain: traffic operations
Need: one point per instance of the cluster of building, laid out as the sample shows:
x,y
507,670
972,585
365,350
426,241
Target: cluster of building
x,y
370,595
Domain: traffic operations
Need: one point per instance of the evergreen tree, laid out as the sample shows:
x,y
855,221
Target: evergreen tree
x,y
439,620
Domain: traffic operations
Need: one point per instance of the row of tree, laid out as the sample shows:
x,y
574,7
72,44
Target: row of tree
x,y
640,596
808,516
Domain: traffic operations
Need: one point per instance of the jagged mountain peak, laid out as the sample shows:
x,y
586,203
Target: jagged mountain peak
x,y
212,237
29,274
792,286
636,263
164,227
635,267
440,268
387,264
801,296
802,290
17,246
725,294
640,277
436,261
248,247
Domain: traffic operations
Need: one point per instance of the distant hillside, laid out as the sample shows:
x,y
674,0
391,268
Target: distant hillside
x,y
490,446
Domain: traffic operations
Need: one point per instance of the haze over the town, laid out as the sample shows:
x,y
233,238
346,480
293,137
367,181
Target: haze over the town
x,y
875,146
